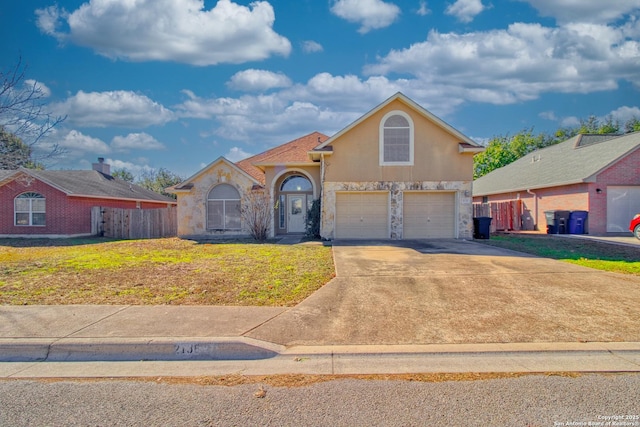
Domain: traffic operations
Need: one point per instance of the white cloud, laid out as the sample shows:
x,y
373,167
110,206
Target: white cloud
x,y
370,14
624,114
136,169
136,141
236,154
310,46
596,11
548,115
519,63
423,10
113,108
169,30
258,80
39,88
465,10
76,143
570,122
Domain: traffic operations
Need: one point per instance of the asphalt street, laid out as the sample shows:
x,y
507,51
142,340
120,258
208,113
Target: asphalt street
x,y
536,400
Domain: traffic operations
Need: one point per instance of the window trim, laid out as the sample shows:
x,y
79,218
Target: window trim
x,y
224,209
30,196
411,139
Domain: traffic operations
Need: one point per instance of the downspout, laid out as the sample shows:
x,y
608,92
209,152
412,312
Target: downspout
x,y
535,203
321,175
321,192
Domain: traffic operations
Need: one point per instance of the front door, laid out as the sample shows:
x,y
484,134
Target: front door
x,y
296,213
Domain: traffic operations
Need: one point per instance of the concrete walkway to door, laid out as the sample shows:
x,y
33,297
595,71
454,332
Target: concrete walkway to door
x,y
454,291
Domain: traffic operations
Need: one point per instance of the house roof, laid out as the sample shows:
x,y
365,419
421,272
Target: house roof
x,y
576,160
187,184
293,153
409,102
88,183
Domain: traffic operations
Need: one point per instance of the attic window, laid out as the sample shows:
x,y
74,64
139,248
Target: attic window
x,y
396,139
30,209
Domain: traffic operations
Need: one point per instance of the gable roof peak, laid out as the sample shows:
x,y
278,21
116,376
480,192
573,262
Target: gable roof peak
x,y
415,107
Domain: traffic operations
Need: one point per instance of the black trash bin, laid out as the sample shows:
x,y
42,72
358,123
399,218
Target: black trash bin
x,y
578,222
557,222
482,227
563,221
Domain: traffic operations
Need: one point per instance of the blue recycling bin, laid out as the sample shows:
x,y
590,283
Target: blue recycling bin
x,y
578,222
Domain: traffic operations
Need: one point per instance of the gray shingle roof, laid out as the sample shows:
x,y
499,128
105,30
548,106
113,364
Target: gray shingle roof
x,y
569,162
90,183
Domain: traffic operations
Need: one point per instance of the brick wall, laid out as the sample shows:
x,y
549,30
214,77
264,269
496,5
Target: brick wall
x,y
580,196
64,215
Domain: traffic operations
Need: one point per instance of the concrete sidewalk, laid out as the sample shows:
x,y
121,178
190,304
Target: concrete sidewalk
x,y
394,307
134,341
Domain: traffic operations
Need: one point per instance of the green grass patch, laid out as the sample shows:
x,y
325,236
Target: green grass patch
x,y
161,271
585,252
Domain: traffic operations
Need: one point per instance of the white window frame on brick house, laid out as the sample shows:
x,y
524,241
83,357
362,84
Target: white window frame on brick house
x,y
224,208
396,139
29,210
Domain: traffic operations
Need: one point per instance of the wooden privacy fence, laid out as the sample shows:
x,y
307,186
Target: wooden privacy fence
x,y
506,215
134,223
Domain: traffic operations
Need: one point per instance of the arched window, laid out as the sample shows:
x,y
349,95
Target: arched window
x,y
30,209
223,208
296,183
396,139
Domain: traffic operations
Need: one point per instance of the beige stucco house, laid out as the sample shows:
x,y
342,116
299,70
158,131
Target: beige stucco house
x,y
398,172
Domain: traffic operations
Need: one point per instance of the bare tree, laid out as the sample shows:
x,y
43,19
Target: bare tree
x,y
256,213
23,114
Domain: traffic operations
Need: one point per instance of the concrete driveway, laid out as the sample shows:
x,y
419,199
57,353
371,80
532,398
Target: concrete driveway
x,y
452,291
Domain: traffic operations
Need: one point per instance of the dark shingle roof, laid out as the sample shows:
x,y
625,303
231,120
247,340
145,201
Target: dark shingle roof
x,y
570,162
90,183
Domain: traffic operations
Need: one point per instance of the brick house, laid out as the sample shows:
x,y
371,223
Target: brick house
x,y
57,203
599,174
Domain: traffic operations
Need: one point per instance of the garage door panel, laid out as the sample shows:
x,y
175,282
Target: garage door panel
x,y
429,215
362,215
623,202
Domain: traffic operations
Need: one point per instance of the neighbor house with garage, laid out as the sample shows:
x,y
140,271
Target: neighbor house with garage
x,y
397,172
58,203
599,174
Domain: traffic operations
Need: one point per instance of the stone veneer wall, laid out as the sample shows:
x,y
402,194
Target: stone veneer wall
x,y
192,207
396,190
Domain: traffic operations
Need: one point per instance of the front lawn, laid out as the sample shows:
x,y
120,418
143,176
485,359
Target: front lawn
x,y
585,252
160,271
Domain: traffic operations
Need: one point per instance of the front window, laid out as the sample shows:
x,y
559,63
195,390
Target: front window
x,y
396,139
30,209
223,208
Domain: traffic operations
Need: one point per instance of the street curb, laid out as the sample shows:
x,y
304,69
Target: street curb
x,y
135,349
244,348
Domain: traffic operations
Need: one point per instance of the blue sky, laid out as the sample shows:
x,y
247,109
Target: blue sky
x,y
178,83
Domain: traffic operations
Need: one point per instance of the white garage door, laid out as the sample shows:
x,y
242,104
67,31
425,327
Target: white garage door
x,y
429,215
362,215
623,202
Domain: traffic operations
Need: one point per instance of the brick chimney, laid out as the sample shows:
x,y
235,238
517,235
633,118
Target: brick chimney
x,y
102,167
